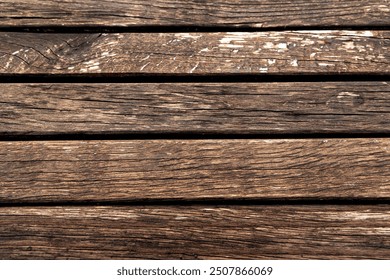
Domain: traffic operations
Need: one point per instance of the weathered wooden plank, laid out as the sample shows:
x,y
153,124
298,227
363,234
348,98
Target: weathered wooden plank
x,y
347,107
196,232
255,13
47,171
293,52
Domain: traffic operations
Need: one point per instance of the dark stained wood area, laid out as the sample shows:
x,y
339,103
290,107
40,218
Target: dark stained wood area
x,y
245,108
291,52
49,171
172,129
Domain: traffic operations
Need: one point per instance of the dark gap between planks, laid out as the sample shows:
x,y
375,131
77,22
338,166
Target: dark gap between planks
x,y
205,202
101,135
179,29
193,78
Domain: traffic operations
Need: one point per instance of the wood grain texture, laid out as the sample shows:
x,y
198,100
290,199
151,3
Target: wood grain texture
x,y
59,171
245,108
292,52
243,13
196,232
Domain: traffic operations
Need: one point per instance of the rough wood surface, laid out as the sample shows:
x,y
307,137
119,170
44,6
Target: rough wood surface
x,y
292,52
196,232
214,198
359,107
243,13
59,171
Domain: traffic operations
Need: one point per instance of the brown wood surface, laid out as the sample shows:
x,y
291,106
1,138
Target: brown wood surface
x,y
243,13
245,108
292,52
129,170
196,232
318,198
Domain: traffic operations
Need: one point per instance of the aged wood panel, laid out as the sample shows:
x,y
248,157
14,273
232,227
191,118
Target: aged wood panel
x,y
196,232
348,107
59,171
292,52
257,13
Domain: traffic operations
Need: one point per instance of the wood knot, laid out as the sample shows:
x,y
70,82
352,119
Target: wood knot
x,y
345,99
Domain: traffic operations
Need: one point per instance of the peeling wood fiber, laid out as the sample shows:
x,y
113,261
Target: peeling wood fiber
x,y
292,52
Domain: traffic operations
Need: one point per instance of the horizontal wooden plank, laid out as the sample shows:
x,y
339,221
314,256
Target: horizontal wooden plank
x,y
254,13
292,52
196,232
47,171
249,108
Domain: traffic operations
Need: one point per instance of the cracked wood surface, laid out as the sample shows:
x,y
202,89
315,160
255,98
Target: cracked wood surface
x,y
238,108
291,52
130,170
234,13
194,198
196,232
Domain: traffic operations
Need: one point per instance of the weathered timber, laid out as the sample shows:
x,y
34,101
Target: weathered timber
x,y
292,52
63,171
196,232
136,13
238,108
